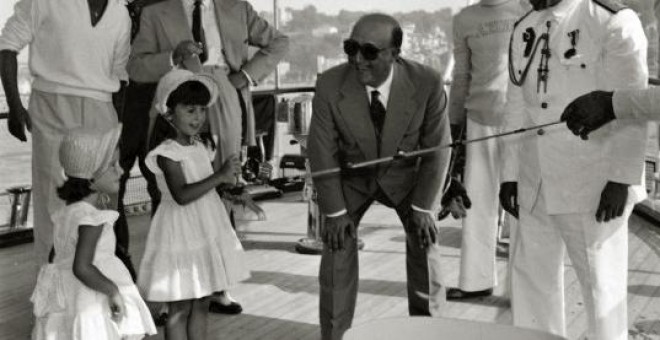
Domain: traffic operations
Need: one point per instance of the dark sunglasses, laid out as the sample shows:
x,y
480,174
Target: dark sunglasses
x,y
368,50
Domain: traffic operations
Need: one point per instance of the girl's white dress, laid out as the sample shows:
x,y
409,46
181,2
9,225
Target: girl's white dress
x,y
192,250
64,307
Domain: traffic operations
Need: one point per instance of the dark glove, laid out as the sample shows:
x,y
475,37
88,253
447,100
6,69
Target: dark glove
x,y
509,197
455,201
457,166
612,201
456,189
588,113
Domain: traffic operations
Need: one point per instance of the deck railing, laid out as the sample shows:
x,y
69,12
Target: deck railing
x,y
136,200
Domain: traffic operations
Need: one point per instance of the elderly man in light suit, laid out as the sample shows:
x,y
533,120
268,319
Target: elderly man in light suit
x,y
353,124
218,33
572,196
166,38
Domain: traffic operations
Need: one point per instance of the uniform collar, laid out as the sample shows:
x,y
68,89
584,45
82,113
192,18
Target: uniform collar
x,y
561,9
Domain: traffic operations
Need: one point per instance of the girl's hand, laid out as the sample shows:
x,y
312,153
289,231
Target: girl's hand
x,y
117,307
231,167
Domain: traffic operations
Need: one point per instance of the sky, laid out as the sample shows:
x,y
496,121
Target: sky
x,y
388,6
6,9
325,6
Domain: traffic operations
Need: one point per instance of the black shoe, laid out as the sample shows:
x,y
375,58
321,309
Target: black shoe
x,y
459,294
232,308
161,320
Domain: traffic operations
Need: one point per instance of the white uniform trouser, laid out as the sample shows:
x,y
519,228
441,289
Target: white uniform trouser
x,y
52,116
482,182
599,255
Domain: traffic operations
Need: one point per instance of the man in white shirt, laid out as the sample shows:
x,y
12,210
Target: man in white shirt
x,y
77,66
476,100
572,196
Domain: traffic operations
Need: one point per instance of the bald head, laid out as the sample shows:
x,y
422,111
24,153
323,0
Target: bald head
x,y
379,23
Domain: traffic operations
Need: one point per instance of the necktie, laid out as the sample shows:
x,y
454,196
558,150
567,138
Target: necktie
x,y
198,30
377,112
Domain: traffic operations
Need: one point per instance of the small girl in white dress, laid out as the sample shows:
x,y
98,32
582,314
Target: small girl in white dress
x,y
191,250
87,293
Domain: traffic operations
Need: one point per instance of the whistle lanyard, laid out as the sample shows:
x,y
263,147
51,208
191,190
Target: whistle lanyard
x,y
543,70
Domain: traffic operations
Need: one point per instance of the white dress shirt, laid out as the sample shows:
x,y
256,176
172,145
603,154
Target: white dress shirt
x,y
215,57
211,30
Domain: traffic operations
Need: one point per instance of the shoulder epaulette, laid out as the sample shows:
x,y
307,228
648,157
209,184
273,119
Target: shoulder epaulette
x,y
612,6
522,18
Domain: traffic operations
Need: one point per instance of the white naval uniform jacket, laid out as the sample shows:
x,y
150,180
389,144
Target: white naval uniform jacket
x,y
610,54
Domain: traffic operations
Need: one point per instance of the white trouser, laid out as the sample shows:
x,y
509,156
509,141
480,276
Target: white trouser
x,y
482,173
52,116
599,255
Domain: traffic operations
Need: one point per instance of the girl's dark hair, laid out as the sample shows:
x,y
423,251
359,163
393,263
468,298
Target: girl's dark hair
x,y
75,189
191,92
162,130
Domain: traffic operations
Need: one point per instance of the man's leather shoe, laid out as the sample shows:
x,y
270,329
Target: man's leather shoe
x,y
232,308
161,319
459,294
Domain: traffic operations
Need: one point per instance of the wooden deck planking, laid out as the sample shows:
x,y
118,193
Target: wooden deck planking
x,y
644,288
280,300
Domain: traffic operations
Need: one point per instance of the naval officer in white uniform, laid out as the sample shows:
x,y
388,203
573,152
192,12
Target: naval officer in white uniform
x,y
572,195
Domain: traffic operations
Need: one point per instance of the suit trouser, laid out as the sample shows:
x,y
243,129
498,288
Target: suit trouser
x,y
482,182
225,117
133,145
338,277
599,255
52,116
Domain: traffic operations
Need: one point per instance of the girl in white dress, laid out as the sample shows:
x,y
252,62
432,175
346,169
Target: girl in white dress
x,y
87,292
191,250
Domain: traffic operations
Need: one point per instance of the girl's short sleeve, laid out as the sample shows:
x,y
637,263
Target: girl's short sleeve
x,y
95,217
168,149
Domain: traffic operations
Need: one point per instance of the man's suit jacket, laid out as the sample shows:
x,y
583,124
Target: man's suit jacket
x,y
342,131
164,25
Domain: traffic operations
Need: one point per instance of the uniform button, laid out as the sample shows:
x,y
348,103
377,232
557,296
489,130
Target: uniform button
x,y
544,105
540,132
583,65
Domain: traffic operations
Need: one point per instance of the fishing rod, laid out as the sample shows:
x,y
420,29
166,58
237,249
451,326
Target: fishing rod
x,y
417,153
